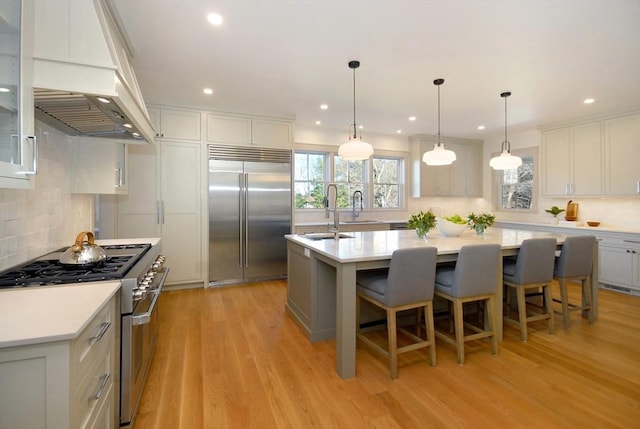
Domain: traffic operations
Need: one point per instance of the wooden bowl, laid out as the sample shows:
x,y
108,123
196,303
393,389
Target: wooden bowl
x,y
590,223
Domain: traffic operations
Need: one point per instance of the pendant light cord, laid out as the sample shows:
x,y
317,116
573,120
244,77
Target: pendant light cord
x,y
354,105
505,144
438,115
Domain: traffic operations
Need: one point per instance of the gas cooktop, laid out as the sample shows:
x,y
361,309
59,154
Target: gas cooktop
x,y
47,270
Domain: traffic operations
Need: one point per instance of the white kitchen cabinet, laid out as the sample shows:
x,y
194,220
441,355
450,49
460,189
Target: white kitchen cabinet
x,y
247,130
64,384
176,124
165,199
98,166
622,155
466,171
620,263
18,153
463,178
572,160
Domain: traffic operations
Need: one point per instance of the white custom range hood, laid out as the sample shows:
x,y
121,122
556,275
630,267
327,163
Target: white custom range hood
x,y
82,76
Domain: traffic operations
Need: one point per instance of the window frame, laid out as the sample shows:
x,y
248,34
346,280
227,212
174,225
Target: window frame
x,y
368,184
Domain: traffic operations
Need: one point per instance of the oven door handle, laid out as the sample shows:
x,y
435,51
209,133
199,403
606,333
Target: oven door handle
x,y
144,318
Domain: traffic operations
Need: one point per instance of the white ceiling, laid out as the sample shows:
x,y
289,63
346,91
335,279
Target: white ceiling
x,y
289,56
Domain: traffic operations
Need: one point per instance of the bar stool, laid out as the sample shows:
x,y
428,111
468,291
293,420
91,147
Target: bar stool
x,y
473,278
575,263
532,268
408,284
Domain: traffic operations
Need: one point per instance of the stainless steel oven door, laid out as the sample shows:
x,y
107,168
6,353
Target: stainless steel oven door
x,y
139,338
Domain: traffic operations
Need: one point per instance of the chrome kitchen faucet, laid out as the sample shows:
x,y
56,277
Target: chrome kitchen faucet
x,y
327,210
355,213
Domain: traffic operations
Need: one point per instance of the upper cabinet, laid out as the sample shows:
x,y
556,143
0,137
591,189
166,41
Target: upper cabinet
x,y
18,146
176,124
248,130
622,155
98,166
572,160
600,157
463,178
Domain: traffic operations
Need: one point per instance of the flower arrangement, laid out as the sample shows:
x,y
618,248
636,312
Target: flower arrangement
x,y
480,222
422,222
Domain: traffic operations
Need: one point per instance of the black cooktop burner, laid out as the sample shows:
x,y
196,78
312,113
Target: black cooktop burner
x,y
47,270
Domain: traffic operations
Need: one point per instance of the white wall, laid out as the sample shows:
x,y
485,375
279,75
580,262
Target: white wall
x,y
48,217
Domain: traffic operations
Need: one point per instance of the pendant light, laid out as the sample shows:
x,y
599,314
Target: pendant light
x,y
355,149
439,155
505,161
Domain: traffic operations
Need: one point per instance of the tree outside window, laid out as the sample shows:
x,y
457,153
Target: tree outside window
x,y
516,186
309,179
386,182
349,177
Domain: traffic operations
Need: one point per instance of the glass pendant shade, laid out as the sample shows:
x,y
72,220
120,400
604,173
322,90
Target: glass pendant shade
x,y
439,156
355,149
505,161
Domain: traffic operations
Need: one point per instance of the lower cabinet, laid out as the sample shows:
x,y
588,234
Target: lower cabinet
x,y
620,263
65,384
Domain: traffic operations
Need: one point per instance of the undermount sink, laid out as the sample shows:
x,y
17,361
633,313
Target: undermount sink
x,y
325,236
360,221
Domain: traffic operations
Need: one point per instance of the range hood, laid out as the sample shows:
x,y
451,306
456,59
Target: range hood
x,y
83,81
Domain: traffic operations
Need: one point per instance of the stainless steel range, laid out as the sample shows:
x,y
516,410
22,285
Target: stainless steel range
x,y
140,269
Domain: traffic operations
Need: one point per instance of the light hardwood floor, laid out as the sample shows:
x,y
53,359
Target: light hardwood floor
x,y
233,358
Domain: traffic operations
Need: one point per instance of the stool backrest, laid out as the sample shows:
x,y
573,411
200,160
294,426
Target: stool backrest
x,y
576,257
476,270
534,263
411,275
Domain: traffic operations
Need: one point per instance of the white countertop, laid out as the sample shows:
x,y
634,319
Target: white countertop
x,y
50,313
578,226
377,245
154,241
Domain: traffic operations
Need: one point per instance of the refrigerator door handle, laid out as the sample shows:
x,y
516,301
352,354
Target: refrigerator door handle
x,y
240,218
246,219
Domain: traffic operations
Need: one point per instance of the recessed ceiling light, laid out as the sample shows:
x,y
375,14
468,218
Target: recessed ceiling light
x,y
398,131
208,91
214,19
318,122
104,100
481,127
360,127
412,118
324,106
127,125
589,100
135,134
5,90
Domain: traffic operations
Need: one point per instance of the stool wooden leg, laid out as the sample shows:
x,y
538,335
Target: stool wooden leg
x,y
393,342
522,313
587,298
459,327
491,320
431,336
546,289
565,302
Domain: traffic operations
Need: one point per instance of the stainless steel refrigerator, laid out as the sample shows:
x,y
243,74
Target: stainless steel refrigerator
x,y
249,213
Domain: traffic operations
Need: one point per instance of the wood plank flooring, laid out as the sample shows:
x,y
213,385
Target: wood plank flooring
x,y
232,358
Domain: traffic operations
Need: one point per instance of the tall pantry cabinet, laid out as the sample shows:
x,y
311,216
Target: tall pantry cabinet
x,y
165,198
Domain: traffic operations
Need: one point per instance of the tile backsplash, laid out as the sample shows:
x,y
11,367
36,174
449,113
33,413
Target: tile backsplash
x,y
39,220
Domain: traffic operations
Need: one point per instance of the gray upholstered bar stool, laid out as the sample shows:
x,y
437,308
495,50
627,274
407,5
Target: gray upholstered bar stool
x,y
532,268
574,264
473,278
407,285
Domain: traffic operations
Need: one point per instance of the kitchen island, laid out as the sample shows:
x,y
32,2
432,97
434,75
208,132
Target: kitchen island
x,y
322,277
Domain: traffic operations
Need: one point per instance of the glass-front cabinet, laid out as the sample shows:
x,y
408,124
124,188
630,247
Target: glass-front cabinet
x,y
18,147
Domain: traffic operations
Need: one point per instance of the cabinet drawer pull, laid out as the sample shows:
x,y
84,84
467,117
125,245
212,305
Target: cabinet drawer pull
x,y
104,379
104,327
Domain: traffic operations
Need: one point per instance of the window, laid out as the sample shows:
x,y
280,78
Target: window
x,y
380,179
386,182
309,179
516,187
